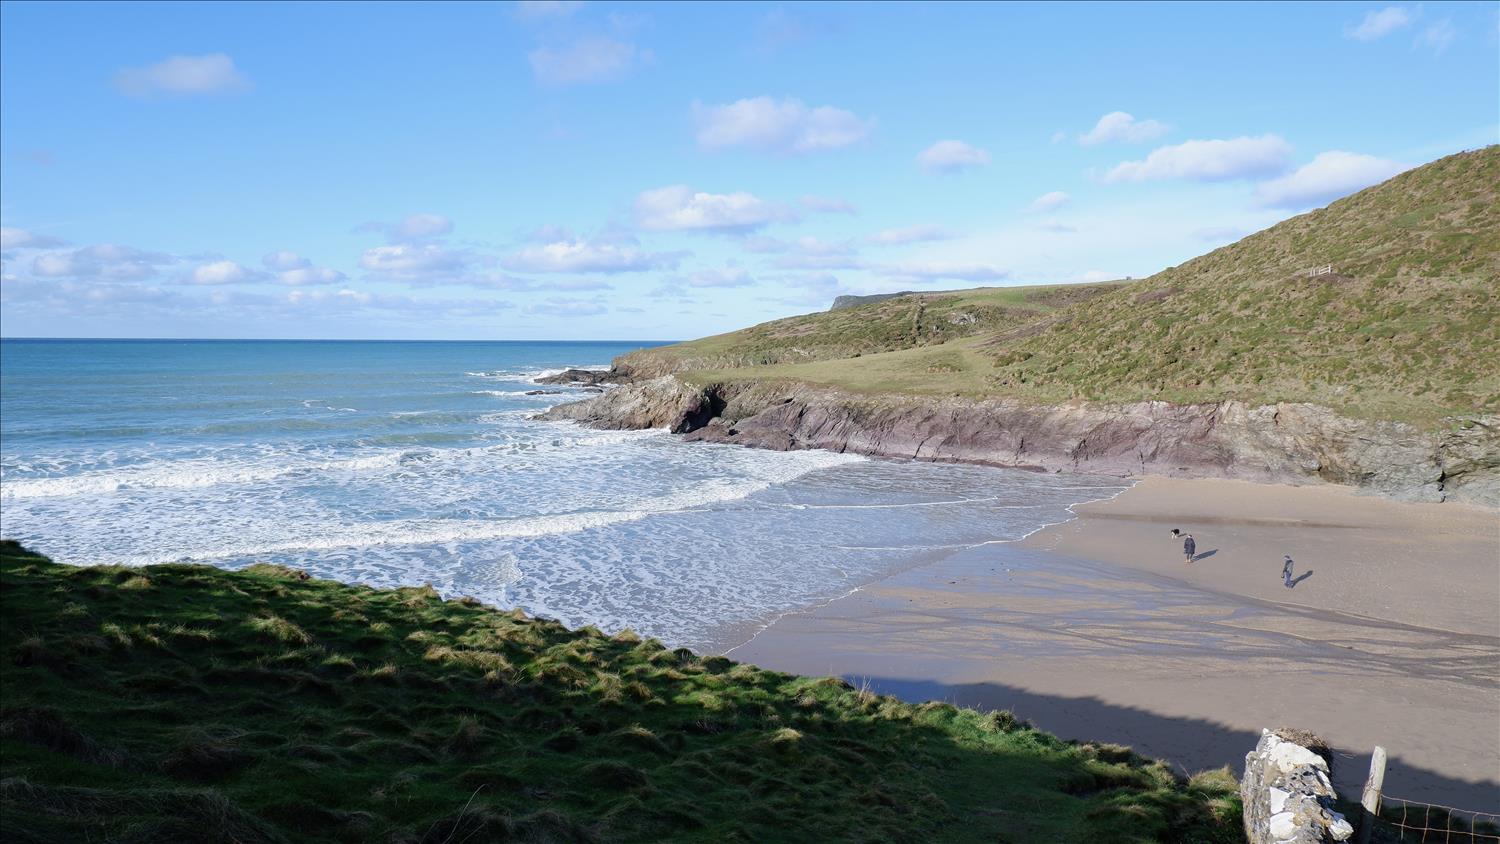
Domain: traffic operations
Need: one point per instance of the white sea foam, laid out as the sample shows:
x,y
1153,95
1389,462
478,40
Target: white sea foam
x,y
188,474
759,475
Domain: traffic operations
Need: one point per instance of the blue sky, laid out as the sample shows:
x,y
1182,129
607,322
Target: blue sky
x,y
602,171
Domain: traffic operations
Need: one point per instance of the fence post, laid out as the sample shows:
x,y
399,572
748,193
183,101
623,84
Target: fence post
x,y
1370,801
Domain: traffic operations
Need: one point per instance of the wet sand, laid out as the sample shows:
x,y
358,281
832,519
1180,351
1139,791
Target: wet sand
x,y
1097,629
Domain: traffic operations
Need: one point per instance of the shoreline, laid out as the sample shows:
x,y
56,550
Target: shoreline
x,y
1094,628
811,608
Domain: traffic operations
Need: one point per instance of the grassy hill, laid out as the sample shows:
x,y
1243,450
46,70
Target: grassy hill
x,y
185,703
912,321
1405,327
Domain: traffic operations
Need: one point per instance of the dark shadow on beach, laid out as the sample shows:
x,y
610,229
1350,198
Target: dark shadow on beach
x,y
1205,555
1190,744
1299,578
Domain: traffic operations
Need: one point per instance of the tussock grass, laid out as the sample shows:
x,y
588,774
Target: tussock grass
x,y
279,629
259,706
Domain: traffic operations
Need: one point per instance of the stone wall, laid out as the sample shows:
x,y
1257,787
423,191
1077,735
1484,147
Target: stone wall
x,y
1286,793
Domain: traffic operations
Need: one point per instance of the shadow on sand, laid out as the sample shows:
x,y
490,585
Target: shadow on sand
x,y
1191,744
1205,555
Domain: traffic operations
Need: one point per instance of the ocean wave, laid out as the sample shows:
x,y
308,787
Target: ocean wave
x,y
531,375
761,475
188,474
270,464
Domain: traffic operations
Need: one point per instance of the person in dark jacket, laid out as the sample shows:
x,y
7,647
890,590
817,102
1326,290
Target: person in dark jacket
x,y
1189,547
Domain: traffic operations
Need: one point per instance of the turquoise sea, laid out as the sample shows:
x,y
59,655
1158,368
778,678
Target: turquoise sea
x,y
395,463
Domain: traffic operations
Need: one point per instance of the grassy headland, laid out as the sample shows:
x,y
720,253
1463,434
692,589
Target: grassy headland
x,y
187,703
1404,328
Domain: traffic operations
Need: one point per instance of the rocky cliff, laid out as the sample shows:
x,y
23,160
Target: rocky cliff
x,y
1282,443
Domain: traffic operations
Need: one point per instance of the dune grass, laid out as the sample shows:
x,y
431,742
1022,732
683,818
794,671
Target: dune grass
x,y
187,703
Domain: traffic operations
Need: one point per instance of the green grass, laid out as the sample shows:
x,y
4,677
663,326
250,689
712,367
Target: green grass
x,y
1405,329
915,321
186,703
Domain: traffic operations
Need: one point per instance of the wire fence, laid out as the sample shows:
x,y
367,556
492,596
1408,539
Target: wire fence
x,y
1430,823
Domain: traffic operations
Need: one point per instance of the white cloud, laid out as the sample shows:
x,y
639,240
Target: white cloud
x,y
1057,227
680,208
222,272
294,270
814,246
413,227
910,234
566,307
828,205
1380,23
591,59
933,271
763,244
788,126
1439,36
1120,126
581,256
346,299
1208,161
284,260
73,297
812,289
181,76
819,261
951,156
13,238
1327,177
419,226
106,260
306,276
535,9
810,253
734,277
566,284
549,233
413,261
1049,201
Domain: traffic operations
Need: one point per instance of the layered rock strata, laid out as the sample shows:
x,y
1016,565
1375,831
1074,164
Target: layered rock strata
x,y
1280,443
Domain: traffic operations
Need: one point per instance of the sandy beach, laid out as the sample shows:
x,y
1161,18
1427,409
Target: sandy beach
x,y
1097,629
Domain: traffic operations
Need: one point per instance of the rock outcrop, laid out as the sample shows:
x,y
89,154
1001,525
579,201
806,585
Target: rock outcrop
x,y
655,403
584,377
1283,443
1286,794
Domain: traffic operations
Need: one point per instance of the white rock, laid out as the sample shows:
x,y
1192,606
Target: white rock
x,y
1340,829
1283,825
1278,799
1288,757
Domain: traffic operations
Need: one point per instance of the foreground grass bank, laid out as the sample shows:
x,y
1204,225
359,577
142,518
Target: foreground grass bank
x,y
186,703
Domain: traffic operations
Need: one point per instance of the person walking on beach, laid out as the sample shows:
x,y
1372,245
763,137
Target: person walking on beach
x,y
1189,545
1286,572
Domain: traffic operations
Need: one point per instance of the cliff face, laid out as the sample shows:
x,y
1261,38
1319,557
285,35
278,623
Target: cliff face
x,y
1283,443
